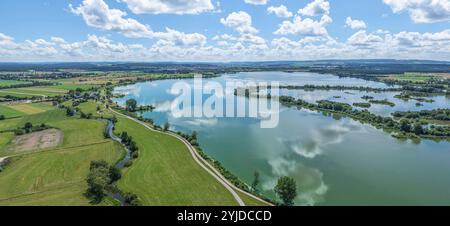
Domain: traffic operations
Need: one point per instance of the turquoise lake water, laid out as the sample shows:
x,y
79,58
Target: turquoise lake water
x,y
335,161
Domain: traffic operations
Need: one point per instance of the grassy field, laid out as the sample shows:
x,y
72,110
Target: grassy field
x,y
55,176
33,91
6,83
9,112
165,173
11,92
416,77
249,201
34,174
33,108
9,123
91,107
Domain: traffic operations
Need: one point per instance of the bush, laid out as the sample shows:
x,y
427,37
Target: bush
x,y
128,164
19,132
131,199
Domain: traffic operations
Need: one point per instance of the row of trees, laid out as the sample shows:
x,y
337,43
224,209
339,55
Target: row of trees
x,y
130,144
435,114
132,106
29,83
29,128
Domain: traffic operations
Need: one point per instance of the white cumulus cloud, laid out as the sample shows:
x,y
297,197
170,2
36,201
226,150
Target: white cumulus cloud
x,y
256,2
240,21
96,13
306,27
355,24
316,8
422,11
280,11
169,6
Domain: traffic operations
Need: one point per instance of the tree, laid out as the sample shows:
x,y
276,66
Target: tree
x,y
166,127
405,126
194,135
418,129
98,180
28,127
255,181
131,105
124,137
114,174
133,146
2,117
286,189
70,112
131,199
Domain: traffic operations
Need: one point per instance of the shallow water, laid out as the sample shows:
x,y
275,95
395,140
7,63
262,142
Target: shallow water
x,y
334,161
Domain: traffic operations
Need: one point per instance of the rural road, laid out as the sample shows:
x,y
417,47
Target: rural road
x,y
198,159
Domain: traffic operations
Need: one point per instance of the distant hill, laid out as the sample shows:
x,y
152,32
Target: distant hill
x,y
343,67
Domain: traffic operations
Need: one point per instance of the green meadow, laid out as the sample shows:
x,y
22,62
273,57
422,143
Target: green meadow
x,y
54,176
165,173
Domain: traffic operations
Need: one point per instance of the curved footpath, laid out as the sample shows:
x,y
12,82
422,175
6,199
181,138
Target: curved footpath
x,y
203,163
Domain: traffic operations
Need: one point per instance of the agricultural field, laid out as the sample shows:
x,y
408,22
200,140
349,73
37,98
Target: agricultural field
x,y
416,77
54,175
33,108
165,173
10,112
31,91
7,83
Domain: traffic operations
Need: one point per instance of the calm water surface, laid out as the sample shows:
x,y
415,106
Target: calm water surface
x,y
334,161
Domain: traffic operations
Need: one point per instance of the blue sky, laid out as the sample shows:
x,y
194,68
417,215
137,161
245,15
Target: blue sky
x,y
223,30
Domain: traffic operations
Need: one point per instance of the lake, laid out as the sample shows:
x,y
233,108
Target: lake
x,y
335,161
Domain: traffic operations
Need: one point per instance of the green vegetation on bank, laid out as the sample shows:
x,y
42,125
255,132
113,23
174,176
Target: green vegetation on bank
x,y
362,105
386,123
382,102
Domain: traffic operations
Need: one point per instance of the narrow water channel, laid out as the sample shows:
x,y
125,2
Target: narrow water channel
x,y
121,164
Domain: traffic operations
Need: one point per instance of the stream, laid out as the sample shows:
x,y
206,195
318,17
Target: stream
x,y
121,164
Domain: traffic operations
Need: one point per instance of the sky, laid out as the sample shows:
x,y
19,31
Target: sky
x,y
223,30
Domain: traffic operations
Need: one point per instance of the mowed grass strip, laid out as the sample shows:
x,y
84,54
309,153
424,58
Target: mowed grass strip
x,y
165,172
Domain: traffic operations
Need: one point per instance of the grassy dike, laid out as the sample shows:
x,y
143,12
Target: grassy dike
x,y
170,153
165,173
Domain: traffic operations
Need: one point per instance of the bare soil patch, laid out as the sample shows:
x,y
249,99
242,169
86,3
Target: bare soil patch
x,y
37,140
